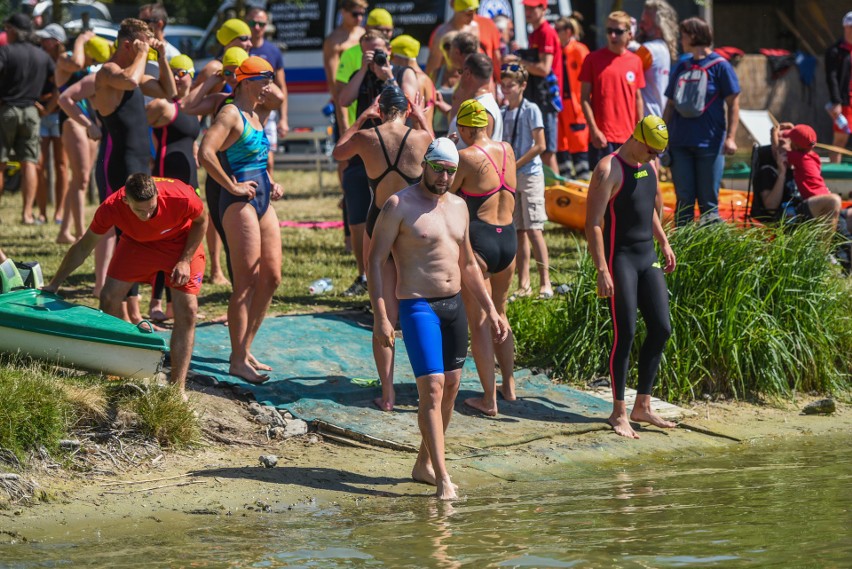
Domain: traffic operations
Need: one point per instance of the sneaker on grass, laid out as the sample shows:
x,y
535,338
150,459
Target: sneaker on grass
x,y
359,287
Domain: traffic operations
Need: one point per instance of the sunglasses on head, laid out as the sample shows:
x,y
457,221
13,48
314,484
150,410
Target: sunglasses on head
x,y
510,67
253,23
438,169
616,31
181,73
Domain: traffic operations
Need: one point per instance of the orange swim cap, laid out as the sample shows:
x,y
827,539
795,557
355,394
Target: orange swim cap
x,y
254,67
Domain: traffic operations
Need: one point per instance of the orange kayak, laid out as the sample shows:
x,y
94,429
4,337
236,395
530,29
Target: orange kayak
x,y
566,203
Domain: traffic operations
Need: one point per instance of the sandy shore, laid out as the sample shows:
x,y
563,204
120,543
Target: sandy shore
x,y
221,479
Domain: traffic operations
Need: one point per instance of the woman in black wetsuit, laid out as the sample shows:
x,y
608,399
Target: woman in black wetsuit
x,y
486,181
175,133
393,154
622,223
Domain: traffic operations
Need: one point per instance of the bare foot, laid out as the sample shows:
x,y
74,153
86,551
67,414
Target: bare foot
x,y
65,239
219,279
446,489
507,390
643,416
244,371
184,395
223,320
382,404
622,427
478,403
423,473
253,362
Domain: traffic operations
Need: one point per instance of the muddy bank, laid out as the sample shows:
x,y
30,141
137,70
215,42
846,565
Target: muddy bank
x,y
227,479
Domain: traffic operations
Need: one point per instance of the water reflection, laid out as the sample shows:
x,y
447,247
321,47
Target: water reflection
x,y
751,507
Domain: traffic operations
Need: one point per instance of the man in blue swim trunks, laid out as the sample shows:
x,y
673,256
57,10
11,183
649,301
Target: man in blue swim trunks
x,y
426,228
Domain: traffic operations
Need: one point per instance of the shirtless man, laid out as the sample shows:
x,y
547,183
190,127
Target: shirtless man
x,y
462,20
118,98
163,223
427,230
342,38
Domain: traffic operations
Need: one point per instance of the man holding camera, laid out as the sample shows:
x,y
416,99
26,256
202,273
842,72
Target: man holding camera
x,y
362,88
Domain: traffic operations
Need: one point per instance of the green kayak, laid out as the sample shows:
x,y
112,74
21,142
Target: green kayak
x,y
43,326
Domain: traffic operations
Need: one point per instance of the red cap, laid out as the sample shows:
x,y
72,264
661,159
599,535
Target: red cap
x,y
534,3
802,136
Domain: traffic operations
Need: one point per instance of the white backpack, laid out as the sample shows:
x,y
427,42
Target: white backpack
x,y
690,94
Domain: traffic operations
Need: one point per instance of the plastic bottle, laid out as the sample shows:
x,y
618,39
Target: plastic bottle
x,y
320,286
840,122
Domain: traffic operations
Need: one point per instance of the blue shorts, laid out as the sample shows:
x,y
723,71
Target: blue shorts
x,y
49,127
435,333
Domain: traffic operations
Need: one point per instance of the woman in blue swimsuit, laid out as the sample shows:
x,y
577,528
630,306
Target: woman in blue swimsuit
x,y
234,152
486,181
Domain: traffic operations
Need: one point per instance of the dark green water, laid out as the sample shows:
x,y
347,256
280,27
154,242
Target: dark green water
x,y
783,505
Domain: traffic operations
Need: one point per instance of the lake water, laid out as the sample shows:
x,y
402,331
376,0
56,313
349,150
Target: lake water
x,y
778,505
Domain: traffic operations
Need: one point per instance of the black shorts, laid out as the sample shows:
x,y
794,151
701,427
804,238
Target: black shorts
x,y
356,192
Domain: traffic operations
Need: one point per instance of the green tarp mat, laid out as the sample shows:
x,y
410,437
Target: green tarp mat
x,y
316,357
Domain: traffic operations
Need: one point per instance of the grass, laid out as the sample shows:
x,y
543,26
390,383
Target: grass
x,y
40,405
754,312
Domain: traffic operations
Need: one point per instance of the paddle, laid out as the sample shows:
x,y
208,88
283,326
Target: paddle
x,y
833,148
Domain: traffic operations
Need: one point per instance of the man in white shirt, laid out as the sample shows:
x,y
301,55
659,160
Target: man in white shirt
x,y
475,83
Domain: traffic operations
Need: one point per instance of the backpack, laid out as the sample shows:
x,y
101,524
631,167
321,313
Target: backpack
x,y
690,94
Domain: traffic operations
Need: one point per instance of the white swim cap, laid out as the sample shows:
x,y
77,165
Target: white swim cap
x,y
442,150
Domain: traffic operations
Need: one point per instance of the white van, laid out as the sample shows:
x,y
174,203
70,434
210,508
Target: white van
x,y
301,27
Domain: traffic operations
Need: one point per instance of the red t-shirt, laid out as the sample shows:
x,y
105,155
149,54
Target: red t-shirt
x,y
807,172
177,206
615,80
546,41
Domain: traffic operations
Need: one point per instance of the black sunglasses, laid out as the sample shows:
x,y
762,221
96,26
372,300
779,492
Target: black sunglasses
x,y
358,14
253,23
616,31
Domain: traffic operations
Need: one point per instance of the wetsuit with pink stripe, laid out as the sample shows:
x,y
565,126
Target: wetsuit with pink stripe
x,y
126,145
494,244
175,157
636,275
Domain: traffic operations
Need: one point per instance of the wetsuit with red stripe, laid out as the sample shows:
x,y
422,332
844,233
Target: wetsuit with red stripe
x,y
494,244
636,275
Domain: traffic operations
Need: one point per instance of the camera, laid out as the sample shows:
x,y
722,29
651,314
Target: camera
x,y
380,58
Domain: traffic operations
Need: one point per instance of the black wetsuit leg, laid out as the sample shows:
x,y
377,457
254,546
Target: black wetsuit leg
x,y
639,284
212,190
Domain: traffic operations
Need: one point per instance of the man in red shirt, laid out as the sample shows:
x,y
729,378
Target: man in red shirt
x,y
544,57
163,224
612,78
807,171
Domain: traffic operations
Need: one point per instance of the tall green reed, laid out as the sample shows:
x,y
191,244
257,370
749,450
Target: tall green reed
x,y
756,311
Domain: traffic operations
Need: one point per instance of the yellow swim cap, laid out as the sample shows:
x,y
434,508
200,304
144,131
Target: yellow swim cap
x,y
653,132
231,30
473,114
465,5
234,56
405,46
183,62
379,18
98,48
